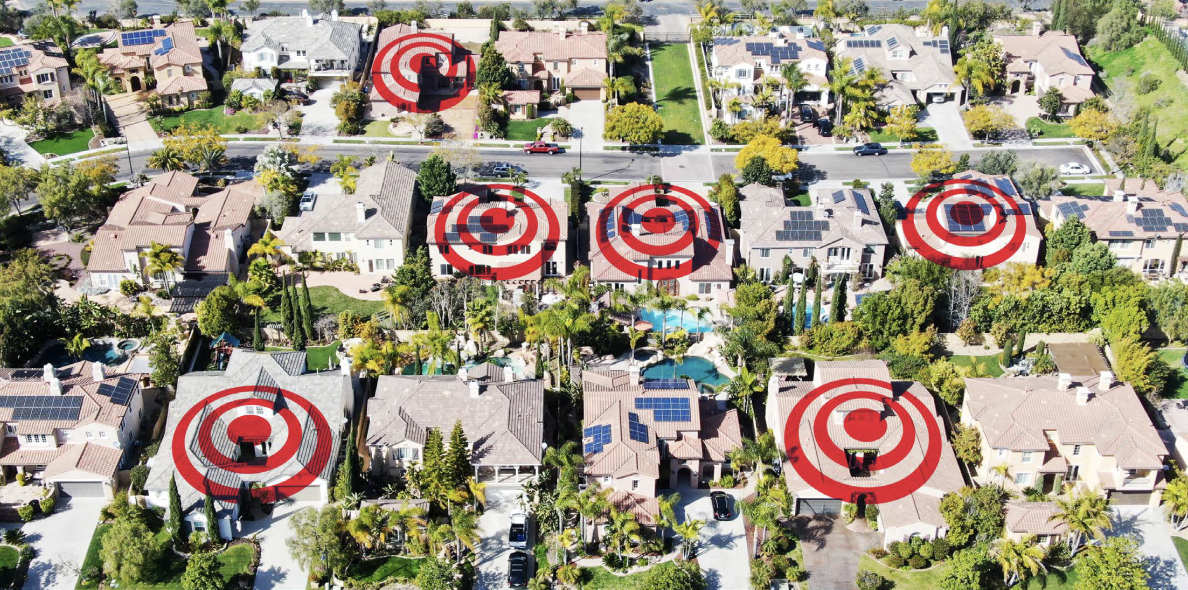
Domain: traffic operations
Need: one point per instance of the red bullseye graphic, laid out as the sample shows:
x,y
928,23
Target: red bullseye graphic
x,y
507,239
423,66
866,426
671,221
253,430
977,229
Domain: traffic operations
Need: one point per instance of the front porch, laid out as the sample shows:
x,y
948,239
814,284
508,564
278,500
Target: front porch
x,y
517,475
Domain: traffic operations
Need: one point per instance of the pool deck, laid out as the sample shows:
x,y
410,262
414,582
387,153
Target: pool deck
x,y
707,349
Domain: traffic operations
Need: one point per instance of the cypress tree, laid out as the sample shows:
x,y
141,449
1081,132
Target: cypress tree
x,y
175,515
538,370
212,519
457,459
257,335
286,308
348,472
433,465
1019,346
790,306
1176,254
298,327
1152,143
837,312
306,309
816,317
801,303
494,29
417,366
1007,347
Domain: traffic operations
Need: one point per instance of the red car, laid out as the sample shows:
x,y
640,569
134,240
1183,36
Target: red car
x,y
540,147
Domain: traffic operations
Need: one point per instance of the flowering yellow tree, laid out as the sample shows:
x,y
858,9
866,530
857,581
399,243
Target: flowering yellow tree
x,y
781,159
1093,124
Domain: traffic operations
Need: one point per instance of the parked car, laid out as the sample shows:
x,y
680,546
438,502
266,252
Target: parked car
x,y
939,98
721,503
501,170
307,201
1075,169
299,97
517,537
517,570
825,127
807,113
870,149
540,147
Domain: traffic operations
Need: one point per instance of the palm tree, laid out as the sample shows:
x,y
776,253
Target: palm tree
x,y
371,528
742,390
763,515
396,300
162,261
269,246
794,81
491,93
407,521
97,81
621,530
568,574
455,496
465,526
634,336
842,83
591,505
478,491
1086,515
144,307
566,458
703,316
567,541
667,518
974,73
1175,497
619,48
75,347
219,33
663,304
1003,471
734,107
755,454
478,320
211,157
166,159
1018,559
688,531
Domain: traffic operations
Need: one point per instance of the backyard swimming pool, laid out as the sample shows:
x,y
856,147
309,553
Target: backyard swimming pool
x,y
100,351
675,320
701,370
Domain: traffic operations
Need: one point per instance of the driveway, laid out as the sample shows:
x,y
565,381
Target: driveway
x,y
61,542
722,552
12,142
495,523
1147,526
1021,107
950,128
320,122
278,569
831,551
589,116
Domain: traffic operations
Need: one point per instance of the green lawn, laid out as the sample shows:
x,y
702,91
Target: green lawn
x,y
1047,130
64,144
170,567
905,580
676,96
525,130
9,557
989,361
598,578
1182,549
925,134
1150,57
1096,189
326,299
1177,384
801,199
377,129
6,42
92,558
223,123
384,569
317,358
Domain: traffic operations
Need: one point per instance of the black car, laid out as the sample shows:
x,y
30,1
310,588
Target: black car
x,y
825,127
721,504
807,114
517,570
870,149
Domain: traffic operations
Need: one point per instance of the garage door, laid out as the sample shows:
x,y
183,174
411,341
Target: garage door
x,y
588,93
81,489
1130,498
813,507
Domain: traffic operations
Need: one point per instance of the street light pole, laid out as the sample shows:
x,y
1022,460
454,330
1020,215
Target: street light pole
x,y
580,140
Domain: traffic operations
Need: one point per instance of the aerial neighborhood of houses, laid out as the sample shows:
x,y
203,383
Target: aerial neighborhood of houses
x,y
678,295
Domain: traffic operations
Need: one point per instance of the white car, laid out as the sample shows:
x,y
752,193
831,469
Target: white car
x,y
307,201
1075,169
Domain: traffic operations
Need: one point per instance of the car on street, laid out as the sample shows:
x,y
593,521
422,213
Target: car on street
x,y
721,502
870,149
807,114
504,170
825,127
517,537
1075,169
307,201
517,570
540,147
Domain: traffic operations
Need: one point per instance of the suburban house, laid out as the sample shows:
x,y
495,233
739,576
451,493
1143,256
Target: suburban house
x,y
69,425
33,68
1034,519
211,232
425,65
264,428
548,61
918,513
501,414
170,56
662,222
917,65
255,87
521,104
1140,222
496,225
371,227
841,231
1091,431
971,216
322,48
1037,62
742,65
637,432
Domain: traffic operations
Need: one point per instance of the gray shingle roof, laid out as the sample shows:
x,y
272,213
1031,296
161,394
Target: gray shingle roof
x,y
386,191
326,39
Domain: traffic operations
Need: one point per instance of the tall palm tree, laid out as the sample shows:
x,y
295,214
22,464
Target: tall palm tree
x,y
568,574
565,458
1018,559
478,491
268,246
663,304
1175,498
703,316
163,261
1003,471
407,521
371,528
490,93
220,33
688,532
763,514
1086,514
592,504
622,529
634,336
397,299
479,320
842,83
974,73
97,81
743,389
619,49
755,454
166,159
794,81
465,526
667,517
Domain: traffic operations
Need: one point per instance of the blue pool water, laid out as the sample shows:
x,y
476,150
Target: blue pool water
x,y
409,369
98,352
675,321
697,368
517,365
809,314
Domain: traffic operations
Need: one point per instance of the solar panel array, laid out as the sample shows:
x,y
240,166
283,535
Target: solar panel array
x,y
436,206
637,430
801,227
1075,56
940,44
1072,209
13,58
963,219
863,43
120,392
874,29
838,196
43,407
1121,234
860,202
166,47
859,65
1154,220
145,37
1178,208
665,384
599,435
776,53
666,409
611,229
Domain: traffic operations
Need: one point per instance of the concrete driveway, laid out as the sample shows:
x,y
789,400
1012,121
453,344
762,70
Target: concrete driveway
x,y
12,142
320,122
278,569
1021,107
945,117
831,551
590,117
61,542
1147,526
495,523
722,552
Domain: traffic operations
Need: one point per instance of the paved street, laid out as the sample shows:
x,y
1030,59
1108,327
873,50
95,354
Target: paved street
x,y
1147,525
61,542
495,524
722,553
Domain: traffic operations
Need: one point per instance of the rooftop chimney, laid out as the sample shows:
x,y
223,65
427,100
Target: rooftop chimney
x,y
1037,27
1132,206
361,211
1119,195
584,27
97,372
561,33
334,15
1083,395
47,373
858,221
307,17
55,386
413,24
1106,381
633,371
1063,382
475,388
346,366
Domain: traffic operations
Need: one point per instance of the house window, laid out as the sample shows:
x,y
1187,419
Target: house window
x,y
319,236
551,268
66,434
703,288
740,73
443,248
379,244
7,79
45,78
103,434
1153,267
90,435
36,438
1076,450
1027,456
808,252
10,428
765,253
262,56
300,53
1022,478
335,236
408,454
635,484
445,270
47,94
1150,243
764,274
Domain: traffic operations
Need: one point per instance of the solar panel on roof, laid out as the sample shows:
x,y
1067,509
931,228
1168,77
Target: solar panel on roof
x,y
166,47
665,384
637,430
436,206
860,202
1178,208
1006,186
1121,234
963,219
488,238
1072,209
1180,227
666,409
874,29
838,196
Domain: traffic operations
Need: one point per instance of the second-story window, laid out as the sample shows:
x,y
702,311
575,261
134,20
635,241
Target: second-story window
x,y
1076,450
36,438
765,253
740,73
45,78
1027,456
10,428
335,237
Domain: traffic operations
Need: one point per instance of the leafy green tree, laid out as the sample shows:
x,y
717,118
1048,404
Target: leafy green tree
x,y
73,192
306,310
316,543
633,123
725,194
685,576
437,574
968,569
1169,303
974,514
944,379
1004,162
298,334
202,573
1038,181
128,551
818,300
967,443
1116,564
1090,258
493,69
457,465
216,313
1120,28
1062,241
436,178
1052,102
286,308
1140,366
902,310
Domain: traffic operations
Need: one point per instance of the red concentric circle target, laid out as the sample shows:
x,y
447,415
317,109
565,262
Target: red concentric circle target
x,y
866,426
253,429
499,236
678,221
402,70
967,196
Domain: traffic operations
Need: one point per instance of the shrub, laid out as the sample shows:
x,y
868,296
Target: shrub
x,y
27,553
1058,553
968,333
562,127
434,125
832,339
872,516
905,550
1148,83
849,511
916,542
162,294
940,549
794,572
139,475
893,548
893,561
727,481
22,479
91,573
878,553
926,550
870,581
129,287
47,504
918,562
25,512
241,129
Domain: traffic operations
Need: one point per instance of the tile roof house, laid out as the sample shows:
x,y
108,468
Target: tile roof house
x,y
662,222
1139,221
371,226
742,63
503,419
36,68
918,513
69,425
1091,431
842,231
638,431
423,59
325,47
255,87
521,104
1034,519
546,60
918,66
497,220
237,433
210,232
171,55
973,216
1037,62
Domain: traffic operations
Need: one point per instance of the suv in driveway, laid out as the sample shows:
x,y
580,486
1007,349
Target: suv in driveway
x,y
517,570
517,537
721,503
870,149
807,114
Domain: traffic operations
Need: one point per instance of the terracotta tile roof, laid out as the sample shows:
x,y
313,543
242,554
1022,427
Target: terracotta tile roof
x,y
929,66
1033,518
184,49
645,508
585,78
521,97
92,458
1113,219
386,191
76,380
182,84
1056,51
389,36
732,51
11,453
765,216
525,46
